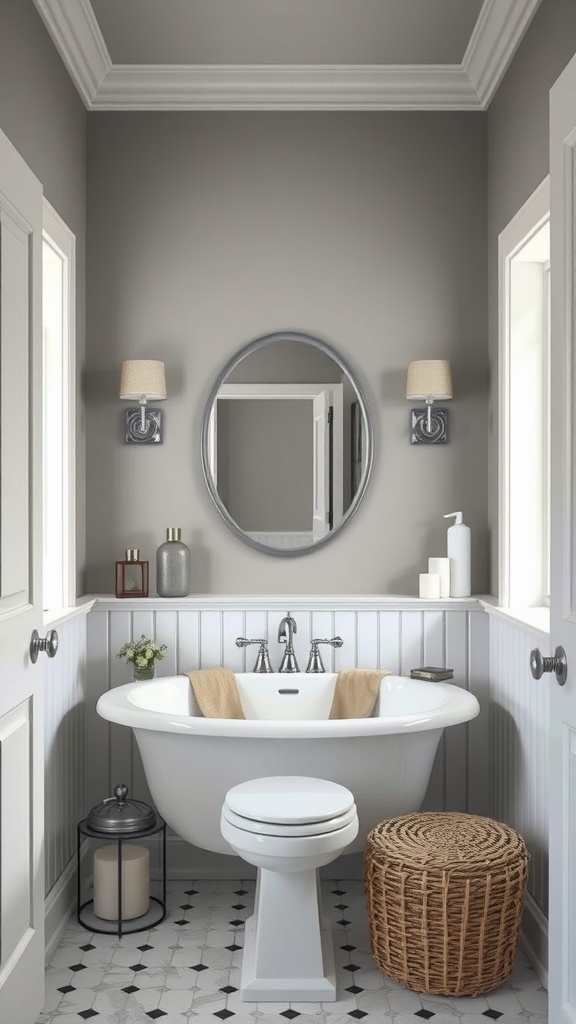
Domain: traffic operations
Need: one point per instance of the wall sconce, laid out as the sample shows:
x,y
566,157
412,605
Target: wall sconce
x,y
429,380
143,380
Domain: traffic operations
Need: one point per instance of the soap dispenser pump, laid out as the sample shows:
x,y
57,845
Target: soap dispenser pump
x,y
459,553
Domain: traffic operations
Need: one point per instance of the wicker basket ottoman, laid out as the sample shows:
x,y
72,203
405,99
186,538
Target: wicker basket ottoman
x,y
444,897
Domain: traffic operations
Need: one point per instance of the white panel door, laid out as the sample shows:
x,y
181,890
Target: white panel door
x,y
21,761
562,935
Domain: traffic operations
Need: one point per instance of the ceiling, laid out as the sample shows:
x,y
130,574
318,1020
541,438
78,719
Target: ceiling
x,y
287,54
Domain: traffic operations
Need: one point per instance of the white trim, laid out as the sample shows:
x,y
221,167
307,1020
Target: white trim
x,y
493,43
280,602
56,232
467,86
534,937
529,219
59,906
534,621
286,87
79,41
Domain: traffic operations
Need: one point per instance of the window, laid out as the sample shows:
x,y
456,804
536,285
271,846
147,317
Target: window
x,y
524,443
58,343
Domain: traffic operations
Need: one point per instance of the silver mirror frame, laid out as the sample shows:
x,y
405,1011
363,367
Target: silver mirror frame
x,y
247,350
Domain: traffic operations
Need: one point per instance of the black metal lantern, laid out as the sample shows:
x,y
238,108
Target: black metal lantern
x,y
121,874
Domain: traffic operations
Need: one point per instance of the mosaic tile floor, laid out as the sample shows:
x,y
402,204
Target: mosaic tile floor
x,y
188,968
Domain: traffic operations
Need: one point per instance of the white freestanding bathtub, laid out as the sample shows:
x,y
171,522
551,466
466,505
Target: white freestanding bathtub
x,y
191,762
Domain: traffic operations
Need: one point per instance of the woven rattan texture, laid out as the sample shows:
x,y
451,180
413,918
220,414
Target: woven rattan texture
x,y
444,897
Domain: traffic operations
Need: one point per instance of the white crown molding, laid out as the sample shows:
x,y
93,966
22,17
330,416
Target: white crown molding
x,y
79,41
286,87
105,86
497,33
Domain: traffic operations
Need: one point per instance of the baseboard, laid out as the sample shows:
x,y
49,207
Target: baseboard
x,y
534,937
59,906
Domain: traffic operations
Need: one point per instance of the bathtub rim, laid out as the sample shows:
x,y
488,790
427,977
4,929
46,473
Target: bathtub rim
x,y
114,706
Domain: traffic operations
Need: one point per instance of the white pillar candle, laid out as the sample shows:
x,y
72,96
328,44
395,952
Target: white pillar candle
x,y
429,585
442,567
135,881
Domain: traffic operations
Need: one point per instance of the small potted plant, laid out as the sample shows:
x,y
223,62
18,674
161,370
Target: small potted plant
x,y
142,654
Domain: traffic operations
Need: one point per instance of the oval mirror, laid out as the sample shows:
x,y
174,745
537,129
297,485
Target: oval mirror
x,y
287,443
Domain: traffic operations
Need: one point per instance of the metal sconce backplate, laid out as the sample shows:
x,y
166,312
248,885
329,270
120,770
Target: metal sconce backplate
x,y
418,432
152,433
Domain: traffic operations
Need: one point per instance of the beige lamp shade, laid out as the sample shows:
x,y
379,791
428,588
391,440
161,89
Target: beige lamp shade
x,y
143,378
429,378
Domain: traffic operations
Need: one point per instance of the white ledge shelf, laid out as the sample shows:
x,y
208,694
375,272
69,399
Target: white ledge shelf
x,y
280,602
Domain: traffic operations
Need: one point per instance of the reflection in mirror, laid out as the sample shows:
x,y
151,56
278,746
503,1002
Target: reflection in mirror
x,y
286,443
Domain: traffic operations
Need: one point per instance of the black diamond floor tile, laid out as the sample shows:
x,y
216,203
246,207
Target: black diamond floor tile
x,y
237,921
215,902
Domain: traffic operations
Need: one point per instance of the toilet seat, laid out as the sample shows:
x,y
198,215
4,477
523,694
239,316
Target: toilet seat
x,y
287,829
302,805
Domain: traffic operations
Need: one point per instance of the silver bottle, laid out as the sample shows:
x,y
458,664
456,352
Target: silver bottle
x,y
173,565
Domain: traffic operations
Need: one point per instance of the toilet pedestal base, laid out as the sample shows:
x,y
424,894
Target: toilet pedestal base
x,y
288,951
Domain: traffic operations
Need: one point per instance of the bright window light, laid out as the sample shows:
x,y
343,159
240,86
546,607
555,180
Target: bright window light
x,y
58,413
525,411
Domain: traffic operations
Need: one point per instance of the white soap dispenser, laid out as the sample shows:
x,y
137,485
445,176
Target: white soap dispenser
x,y
459,551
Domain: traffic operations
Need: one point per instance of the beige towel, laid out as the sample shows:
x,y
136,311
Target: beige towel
x,y
355,692
216,691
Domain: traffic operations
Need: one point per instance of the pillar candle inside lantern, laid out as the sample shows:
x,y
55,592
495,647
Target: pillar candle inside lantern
x,y
135,881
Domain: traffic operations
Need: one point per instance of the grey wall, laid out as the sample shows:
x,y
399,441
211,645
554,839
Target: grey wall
x,y
44,118
208,229
517,163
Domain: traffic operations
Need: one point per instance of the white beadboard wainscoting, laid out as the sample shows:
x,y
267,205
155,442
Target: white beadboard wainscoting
x,y
398,634
507,744
64,774
519,753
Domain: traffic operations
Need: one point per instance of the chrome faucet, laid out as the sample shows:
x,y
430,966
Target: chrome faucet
x,y
286,631
262,663
315,661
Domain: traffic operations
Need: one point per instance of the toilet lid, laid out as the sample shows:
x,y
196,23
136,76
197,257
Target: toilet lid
x,y
267,828
289,800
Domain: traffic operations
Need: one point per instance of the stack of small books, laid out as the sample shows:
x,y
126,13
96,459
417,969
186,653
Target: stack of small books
x,y
435,675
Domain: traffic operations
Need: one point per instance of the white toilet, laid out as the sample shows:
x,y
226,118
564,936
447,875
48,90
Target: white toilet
x,y
288,826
